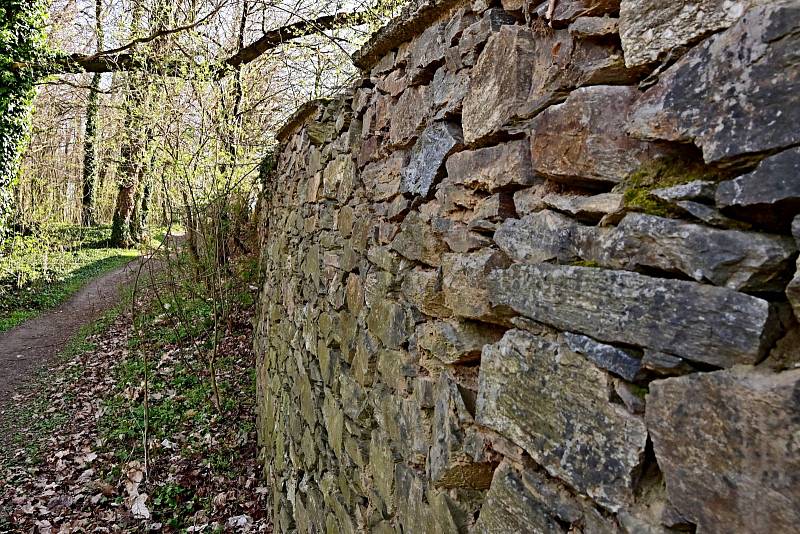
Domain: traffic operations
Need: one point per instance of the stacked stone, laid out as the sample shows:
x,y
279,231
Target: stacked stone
x,y
535,274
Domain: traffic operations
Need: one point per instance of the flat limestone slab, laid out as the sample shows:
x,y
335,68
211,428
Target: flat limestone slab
x,y
698,322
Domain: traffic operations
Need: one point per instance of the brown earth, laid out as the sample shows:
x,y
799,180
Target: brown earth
x,y
29,346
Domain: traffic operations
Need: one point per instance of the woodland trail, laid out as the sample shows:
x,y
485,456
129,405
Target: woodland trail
x,y
35,342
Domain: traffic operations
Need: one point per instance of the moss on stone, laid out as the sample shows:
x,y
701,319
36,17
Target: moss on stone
x,y
661,173
586,263
639,391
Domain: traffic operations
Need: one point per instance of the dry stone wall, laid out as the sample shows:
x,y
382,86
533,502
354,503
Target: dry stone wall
x,y
538,274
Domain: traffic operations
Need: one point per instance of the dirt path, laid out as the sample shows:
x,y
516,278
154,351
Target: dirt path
x,y
27,347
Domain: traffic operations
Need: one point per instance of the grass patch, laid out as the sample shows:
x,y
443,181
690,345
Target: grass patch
x,y
38,273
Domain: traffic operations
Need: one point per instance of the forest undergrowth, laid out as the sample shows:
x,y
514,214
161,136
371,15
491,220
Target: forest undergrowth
x,y
146,423
39,272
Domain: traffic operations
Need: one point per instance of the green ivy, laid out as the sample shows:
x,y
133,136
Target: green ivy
x,y
22,41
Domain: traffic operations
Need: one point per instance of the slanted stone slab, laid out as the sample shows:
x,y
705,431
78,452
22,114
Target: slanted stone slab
x,y
517,75
583,140
701,190
492,168
735,93
651,29
707,214
727,445
456,341
702,323
567,11
745,261
428,156
594,27
554,403
614,359
771,191
586,208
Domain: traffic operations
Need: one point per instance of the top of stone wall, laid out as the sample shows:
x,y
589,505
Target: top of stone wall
x,y
299,117
412,20
415,17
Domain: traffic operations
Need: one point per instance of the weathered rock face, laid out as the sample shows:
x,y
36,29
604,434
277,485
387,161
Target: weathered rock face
x,y
595,451
740,474
734,94
518,75
542,237
770,193
584,139
473,276
745,261
427,157
625,307
493,168
651,30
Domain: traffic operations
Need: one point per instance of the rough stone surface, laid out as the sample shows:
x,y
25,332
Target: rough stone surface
x,y
700,190
583,140
586,208
418,241
465,284
459,336
773,187
625,307
383,177
740,473
793,289
567,11
540,237
618,361
455,341
518,75
707,214
594,27
734,94
450,463
528,500
651,29
745,261
492,168
428,156
595,450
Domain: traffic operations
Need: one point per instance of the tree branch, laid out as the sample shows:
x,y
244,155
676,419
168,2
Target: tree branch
x,y
274,38
126,61
154,36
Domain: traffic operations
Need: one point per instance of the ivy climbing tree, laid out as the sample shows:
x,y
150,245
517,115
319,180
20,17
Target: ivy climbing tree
x,y
22,41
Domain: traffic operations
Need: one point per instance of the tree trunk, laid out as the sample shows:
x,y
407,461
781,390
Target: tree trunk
x,y
90,155
132,151
121,225
90,141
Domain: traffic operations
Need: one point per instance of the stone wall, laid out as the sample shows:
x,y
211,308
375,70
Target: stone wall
x,y
533,277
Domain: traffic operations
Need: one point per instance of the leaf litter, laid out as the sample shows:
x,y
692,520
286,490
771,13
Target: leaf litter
x,y
74,460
